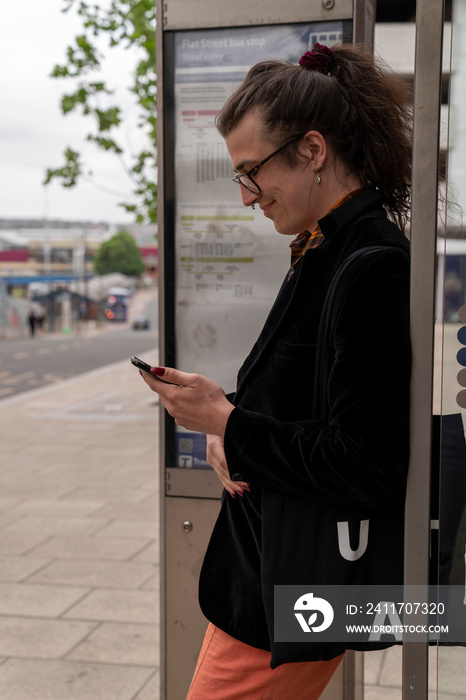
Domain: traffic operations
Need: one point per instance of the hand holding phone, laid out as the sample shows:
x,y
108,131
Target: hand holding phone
x,y
197,403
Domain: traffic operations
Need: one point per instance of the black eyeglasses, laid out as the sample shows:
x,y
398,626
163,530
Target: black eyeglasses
x,y
246,180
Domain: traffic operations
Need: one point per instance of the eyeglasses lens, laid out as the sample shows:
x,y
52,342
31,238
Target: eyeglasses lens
x,y
247,183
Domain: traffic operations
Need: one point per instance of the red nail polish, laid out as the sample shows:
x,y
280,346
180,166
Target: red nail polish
x,y
233,495
158,371
246,488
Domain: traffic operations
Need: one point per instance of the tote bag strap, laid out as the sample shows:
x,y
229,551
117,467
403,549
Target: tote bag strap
x,y
325,350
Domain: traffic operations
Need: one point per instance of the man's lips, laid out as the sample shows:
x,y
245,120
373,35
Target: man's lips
x,y
266,208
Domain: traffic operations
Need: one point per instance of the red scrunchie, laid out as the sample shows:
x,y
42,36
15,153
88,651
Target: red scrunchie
x,y
319,59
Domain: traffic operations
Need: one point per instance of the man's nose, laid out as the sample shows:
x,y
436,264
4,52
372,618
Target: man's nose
x,y
247,196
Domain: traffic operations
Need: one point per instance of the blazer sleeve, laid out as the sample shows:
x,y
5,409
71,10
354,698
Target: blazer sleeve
x,y
359,454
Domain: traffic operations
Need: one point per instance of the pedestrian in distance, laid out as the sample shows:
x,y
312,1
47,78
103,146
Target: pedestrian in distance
x,y
312,448
32,322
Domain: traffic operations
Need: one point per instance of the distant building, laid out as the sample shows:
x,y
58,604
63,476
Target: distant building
x,y
37,248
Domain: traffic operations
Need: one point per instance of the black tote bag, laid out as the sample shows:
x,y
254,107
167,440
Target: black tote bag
x,y
333,544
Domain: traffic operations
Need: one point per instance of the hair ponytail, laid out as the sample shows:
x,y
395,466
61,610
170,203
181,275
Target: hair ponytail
x,y
382,104
362,109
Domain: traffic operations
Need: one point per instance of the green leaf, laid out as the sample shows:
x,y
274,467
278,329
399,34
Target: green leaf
x,y
105,144
68,173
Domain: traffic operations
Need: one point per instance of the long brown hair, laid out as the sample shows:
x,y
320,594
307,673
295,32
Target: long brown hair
x,y
363,110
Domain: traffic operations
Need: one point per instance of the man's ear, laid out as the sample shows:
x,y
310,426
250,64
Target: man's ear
x,y
315,147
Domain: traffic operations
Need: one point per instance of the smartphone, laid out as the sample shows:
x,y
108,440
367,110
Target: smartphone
x,y
140,364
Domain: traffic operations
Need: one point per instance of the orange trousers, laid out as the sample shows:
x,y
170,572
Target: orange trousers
x,y
231,670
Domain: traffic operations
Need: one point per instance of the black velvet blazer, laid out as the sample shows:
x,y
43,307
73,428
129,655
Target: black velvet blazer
x,y
310,471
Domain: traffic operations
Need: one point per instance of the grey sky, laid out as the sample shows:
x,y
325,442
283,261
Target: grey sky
x,y
33,133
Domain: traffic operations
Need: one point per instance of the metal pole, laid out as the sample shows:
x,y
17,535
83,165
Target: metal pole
x,y
364,22
160,8
427,100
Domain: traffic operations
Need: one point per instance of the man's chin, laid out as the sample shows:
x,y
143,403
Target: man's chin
x,y
284,230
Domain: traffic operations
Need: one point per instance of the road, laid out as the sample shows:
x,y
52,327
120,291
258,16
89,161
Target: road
x,y
29,363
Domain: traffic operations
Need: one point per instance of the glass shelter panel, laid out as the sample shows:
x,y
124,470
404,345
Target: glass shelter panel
x,y
229,262
450,366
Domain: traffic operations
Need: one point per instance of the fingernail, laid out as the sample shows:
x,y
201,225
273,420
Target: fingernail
x,y
246,488
158,371
241,494
233,495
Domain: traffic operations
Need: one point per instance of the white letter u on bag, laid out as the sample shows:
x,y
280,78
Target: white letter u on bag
x,y
344,540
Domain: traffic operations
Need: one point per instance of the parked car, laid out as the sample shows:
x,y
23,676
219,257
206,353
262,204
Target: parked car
x,y
141,323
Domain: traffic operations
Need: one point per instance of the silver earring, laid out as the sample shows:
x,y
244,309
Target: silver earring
x,y
317,176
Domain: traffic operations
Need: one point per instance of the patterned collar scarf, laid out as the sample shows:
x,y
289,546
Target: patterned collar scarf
x,y
306,240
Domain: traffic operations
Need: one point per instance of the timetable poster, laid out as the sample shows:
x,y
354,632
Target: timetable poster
x,y
229,260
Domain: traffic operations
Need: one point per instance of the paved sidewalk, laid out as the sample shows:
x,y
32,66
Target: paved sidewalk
x,y
79,540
